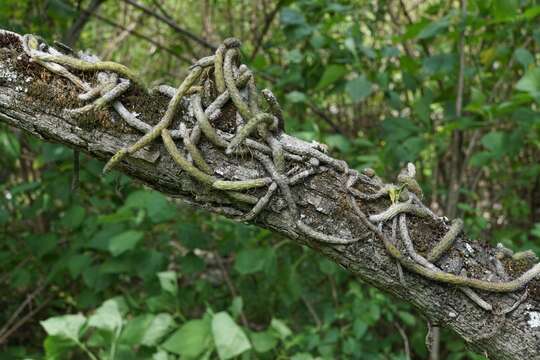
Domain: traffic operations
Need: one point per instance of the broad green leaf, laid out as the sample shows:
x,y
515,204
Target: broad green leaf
x,y
229,338
360,328
66,326
294,56
160,355
78,263
9,145
74,217
290,16
331,74
168,281
530,82
524,57
125,241
135,329
191,263
263,341
296,97
407,318
253,260
302,356
434,28
107,317
56,347
236,306
440,63
493,141
42,244
536,230
191,340
328,267
157,206
160,326
359,88
281,328
504,9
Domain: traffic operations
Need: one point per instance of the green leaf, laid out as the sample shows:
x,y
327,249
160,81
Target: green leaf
x,y
263,341
524,57
66,326
281,328
290,16
440,63
504,9
160,326
78,263
493,141
168,281
160,355
125,241
434,28
530,82
536,230
359,88
42,244
253,260
328,267
236,306
73,217
302,356
296,97
135,329
331,74
229,338
156,205
9,145
107,317
57,347
407,318
294,56
191,340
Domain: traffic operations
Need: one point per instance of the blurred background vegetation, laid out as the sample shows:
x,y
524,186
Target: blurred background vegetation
x,y
121,272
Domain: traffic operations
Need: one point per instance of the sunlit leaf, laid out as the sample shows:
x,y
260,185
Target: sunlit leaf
x,y
229,338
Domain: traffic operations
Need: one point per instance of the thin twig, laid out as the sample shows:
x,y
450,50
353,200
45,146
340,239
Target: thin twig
x,y
405,340
167,20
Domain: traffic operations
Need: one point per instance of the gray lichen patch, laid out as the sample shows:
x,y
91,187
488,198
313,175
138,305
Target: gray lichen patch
x,y
534,319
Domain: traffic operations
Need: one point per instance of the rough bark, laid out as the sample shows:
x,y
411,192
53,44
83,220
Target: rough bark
x,y
34,100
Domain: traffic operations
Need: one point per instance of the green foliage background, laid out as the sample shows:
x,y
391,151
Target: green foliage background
x,y
121,272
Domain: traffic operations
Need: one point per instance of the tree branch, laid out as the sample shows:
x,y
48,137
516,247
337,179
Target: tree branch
x,y
35,100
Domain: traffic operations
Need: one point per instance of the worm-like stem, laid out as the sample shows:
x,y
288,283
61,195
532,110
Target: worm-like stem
x,y
446,242
261,204
163,123
196,155
230,83
500,287
383,191
83,65
319,236
293,180
205,178
396,209
279,179
237,185
182,161
247,129
204,124
409,245
274,106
